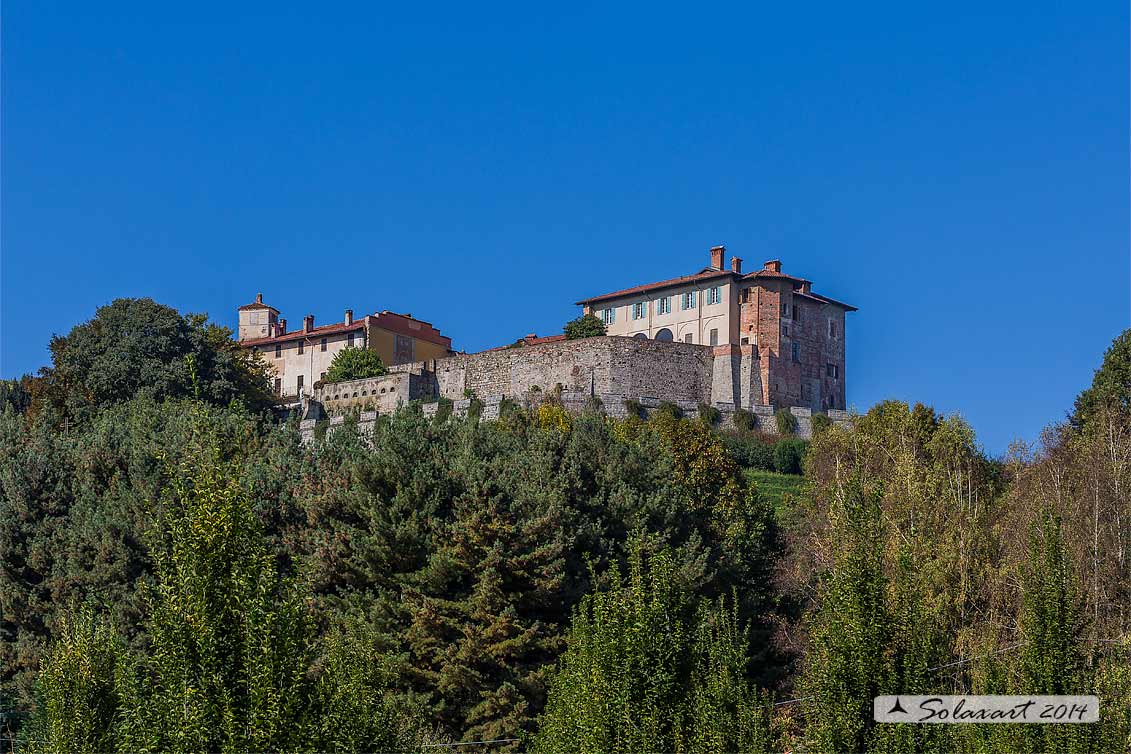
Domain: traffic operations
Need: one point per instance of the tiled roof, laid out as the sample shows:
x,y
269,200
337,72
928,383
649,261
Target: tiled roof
x,y
257,305
529,340
397,323
826,300
711,274
699,276
358,324
771,274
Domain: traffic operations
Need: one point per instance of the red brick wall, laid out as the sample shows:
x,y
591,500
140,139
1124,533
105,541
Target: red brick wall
x,y
784,382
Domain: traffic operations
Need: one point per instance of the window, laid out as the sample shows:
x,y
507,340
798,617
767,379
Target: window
x,y
323,345
278,386
278,350
641,336
609,316
784,330
785,311
797,313
687,338
322,376
688,300
714,295
639,311
664,335
796,353
832,370
832,329
714,337
299,384
302,346
351,340
664,305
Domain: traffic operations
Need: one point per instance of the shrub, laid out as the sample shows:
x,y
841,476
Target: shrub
x,y
443,411
594,405
709,414
821,422
585,326
745,421
789,455
352,363
507,407
475,408
669,409
751,452
786,421
633,408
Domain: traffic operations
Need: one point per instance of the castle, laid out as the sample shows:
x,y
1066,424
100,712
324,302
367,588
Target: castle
x,y
797,333
758,342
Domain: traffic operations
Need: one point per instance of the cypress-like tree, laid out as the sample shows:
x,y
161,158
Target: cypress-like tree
x,y
870,635
227,635
1052,659
78,689
645,671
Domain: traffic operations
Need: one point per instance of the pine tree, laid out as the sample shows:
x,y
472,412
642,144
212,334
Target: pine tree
x,y
486,618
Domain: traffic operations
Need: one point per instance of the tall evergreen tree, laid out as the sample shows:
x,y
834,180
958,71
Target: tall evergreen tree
x,y
1052,660
227,636
78,690
869,636
646,671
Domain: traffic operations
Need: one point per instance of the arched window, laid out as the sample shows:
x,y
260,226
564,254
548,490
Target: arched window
x,y
641,336
665,335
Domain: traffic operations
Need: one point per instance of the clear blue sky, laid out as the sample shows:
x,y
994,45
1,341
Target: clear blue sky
x,y
958,171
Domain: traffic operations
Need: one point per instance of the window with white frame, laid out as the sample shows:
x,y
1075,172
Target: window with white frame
x,y
664,305
639,310
688,300
609,316
714,295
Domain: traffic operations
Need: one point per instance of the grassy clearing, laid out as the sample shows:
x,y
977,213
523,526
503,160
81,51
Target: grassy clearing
x,y
776,486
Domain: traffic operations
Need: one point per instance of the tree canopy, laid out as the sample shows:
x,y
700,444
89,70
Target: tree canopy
x,y
585,326
353,363
138,348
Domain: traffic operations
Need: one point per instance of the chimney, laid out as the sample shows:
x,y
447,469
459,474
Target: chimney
x,y
717,257
259,298
308,323
736,265
282,326
349,316
806,286
773,265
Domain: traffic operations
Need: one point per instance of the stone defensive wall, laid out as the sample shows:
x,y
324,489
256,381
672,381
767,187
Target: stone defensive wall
x,y
622,374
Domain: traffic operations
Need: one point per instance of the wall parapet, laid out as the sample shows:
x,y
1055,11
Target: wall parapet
x,y
619,371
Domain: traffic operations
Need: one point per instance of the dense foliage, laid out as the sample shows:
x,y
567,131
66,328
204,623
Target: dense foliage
x,y
352,363
180,572
138,348
585,326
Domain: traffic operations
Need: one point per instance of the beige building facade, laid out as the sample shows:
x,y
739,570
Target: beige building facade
x,y
300,358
